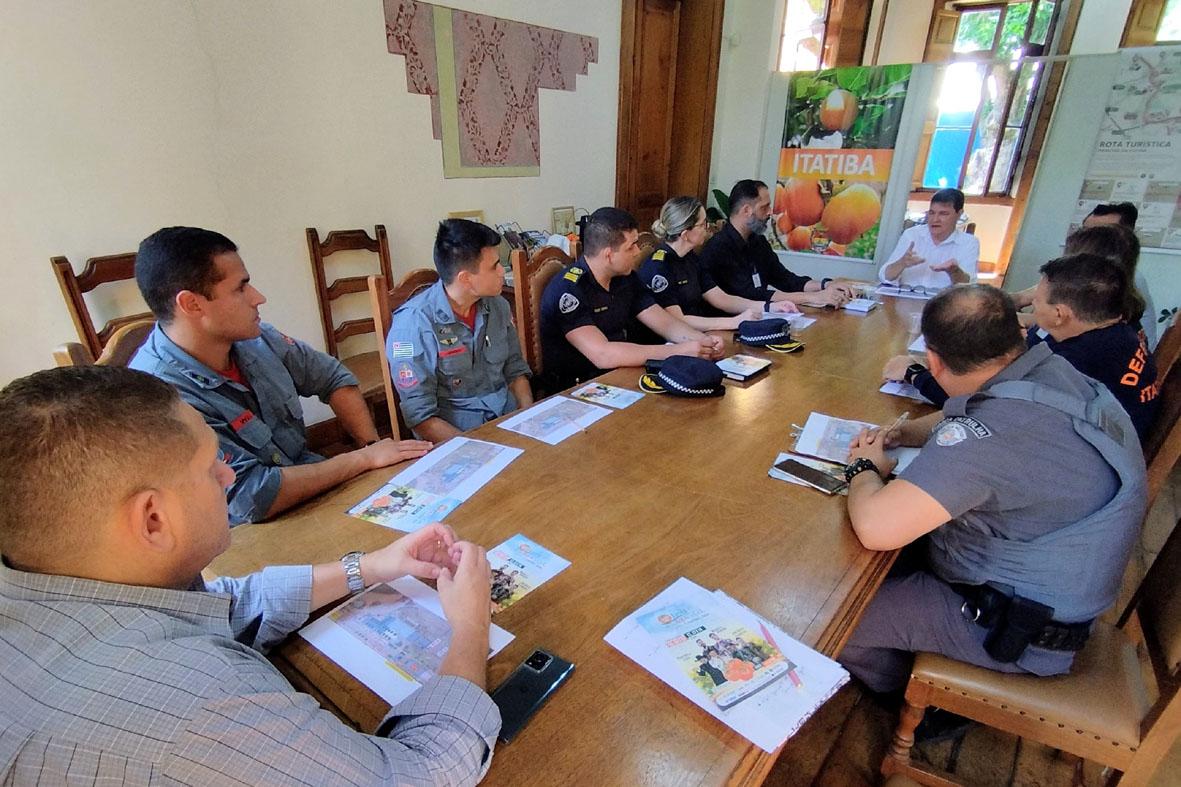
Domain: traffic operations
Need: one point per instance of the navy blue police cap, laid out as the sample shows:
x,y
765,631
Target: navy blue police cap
x,y
683,375
772,334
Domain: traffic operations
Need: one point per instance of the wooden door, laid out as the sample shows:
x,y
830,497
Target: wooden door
x,y
668,76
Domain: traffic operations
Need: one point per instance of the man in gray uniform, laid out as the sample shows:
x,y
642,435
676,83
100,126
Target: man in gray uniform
x,y
1030,488
246,378
122,666
453,349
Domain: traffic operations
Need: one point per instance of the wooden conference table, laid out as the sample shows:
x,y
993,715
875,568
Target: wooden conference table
x,y
668,487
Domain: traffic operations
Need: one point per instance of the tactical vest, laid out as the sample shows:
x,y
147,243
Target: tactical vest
x,y
1083,561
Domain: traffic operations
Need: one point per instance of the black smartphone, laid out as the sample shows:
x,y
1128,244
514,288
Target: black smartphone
x,y
811,476
527,689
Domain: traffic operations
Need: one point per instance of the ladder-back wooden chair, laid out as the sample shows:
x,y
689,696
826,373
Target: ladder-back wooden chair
x,y
96,272
383,303
530,276
363,365
120,348
1106,710
1162,444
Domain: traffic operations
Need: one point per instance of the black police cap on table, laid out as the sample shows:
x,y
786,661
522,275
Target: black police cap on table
x,y
772,334
683,375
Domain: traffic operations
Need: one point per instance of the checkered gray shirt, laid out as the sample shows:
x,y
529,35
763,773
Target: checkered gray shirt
x,y
115,684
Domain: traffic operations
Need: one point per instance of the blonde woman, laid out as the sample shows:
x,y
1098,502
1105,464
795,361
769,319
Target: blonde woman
x,y
681,285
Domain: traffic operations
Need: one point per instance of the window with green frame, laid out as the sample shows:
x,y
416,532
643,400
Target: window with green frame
x,y
985,101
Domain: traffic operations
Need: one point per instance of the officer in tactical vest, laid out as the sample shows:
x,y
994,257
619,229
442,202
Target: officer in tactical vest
x,y
1012,569
453,349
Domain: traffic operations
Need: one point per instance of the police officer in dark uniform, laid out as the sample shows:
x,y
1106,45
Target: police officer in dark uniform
x,y
588,312
1011,572
742,262
453,349
674,275
245,377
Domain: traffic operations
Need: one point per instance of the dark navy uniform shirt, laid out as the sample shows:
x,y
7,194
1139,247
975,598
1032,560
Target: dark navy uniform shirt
x,y
747,268
572,299
678,281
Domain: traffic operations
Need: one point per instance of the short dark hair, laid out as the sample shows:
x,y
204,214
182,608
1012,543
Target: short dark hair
x,y
1093,286
952,197
1128,214
175,259
1118,243
75,441
745,191
458,244
970,325
606,229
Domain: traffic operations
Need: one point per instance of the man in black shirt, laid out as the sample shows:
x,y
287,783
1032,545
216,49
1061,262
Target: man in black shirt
x,y
742,262
589,310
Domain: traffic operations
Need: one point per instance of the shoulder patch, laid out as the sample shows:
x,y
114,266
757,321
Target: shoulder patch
x,y
574,274
658,254
659,283
406,378
288,339
567,303
958,428
401,350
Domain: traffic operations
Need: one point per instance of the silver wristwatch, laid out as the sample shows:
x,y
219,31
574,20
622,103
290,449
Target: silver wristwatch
x,y
352,571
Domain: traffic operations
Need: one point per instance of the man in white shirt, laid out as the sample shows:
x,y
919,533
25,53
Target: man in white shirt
x,y
934,255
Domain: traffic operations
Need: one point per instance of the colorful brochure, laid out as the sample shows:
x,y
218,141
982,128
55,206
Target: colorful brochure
x,y
740,669
518,566
392,637
435,485
828,438
555,419
610,395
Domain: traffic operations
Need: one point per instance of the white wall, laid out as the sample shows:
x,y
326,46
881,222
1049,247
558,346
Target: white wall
x,y
1100,26
256,119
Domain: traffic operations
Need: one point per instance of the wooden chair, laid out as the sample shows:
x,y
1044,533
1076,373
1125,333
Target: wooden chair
x,y
97,271
647,242
1168,348
383,303
530,276
121,346
1101,711
365,366
1162,445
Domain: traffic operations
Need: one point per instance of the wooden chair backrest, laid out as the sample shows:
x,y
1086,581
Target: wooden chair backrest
x,y
648,242
326,293
96,272
1168,348
383,303
118,352
530,277
1162,445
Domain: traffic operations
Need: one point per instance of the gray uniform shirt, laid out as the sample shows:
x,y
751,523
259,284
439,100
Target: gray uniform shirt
x,y
115,684
1014,469
443,368
259,427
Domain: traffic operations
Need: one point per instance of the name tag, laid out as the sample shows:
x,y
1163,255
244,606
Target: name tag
x,y
453,351
243,418
758,280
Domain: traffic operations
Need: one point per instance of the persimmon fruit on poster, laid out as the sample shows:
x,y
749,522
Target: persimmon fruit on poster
x,y
839,131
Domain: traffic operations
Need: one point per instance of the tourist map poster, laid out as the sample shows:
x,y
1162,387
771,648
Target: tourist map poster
x,y
435,485
1137,155
392,637
738,668
519,565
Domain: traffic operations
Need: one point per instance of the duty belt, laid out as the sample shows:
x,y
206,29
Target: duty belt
x,y
986,606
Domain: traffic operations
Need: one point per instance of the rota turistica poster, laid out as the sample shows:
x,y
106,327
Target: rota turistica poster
x,y
838,144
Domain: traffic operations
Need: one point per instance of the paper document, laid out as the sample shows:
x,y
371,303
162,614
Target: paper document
x,y
610,395
905,390
914,293
435,485
555,419
742,367
919,345
862,305
825,437
740,669
797,321
392,637
518,566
